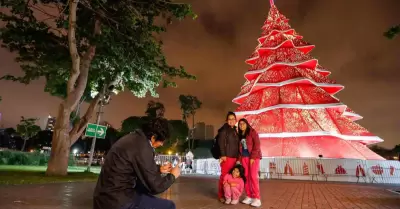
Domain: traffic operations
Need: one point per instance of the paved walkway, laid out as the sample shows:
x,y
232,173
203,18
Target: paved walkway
x,y
199,193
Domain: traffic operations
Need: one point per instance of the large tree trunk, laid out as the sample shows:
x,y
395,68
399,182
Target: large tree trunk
x,y
58,163
62,137
60,147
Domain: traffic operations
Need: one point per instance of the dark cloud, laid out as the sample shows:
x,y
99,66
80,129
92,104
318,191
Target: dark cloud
x,y
348,39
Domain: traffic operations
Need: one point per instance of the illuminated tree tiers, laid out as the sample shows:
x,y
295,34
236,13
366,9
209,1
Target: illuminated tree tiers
x,y
289,99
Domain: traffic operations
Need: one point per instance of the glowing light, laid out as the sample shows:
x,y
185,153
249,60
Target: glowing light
x,y
75,151
169,152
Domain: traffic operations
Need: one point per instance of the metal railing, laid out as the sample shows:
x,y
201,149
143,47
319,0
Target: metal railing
x,y
317,169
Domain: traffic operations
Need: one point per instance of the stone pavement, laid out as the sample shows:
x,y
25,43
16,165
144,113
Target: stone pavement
x,y
200,193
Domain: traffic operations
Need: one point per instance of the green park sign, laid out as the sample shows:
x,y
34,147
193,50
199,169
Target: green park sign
x,y
94,130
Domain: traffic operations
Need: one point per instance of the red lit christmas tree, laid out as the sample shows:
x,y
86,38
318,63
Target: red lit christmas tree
x,y
290,101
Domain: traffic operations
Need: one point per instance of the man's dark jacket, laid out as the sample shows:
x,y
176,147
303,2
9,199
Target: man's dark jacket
x,y
129,168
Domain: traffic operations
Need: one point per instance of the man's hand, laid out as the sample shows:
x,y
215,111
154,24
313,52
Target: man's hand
x,y
251,161
176,171
166,168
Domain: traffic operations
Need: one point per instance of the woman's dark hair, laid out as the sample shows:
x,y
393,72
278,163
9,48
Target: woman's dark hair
x,y
241,171
157,127
229,114
248,128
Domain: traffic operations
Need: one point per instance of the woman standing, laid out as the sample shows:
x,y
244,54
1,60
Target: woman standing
x,y
228,142
250,154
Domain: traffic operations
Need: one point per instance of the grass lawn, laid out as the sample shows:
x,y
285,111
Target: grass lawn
x,y
71,169
12,175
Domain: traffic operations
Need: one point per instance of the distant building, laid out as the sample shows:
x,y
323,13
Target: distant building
x,y
210,132
7,139
51,121
200,131
203,131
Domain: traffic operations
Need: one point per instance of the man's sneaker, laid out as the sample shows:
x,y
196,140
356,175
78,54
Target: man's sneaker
x,y
247,201
234,202
256,203
228,201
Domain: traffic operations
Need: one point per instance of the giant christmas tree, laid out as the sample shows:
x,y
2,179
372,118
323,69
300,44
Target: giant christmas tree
x,y
290,101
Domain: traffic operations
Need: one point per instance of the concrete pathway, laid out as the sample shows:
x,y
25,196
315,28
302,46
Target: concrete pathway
x,y
200,193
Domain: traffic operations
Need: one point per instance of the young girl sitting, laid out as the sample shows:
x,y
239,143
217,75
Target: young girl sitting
x,y
234,184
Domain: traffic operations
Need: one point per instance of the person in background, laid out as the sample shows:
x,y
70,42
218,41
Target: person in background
x,y
234,184
189,161
228,142
176,160
250,155
130,177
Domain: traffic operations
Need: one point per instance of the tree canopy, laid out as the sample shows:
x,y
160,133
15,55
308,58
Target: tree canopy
x,y
132,123
27,128
392,32
179,129
41,139
127,54
155,109
189,105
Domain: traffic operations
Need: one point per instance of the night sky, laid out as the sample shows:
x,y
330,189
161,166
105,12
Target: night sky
x,y
348,39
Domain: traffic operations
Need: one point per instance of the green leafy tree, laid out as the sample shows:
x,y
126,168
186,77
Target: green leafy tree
x,y
396,149
384,152
94,48
179,134
41,139
179,129
155,109
112,136
27,129
10,131
106,143
189,106
392,32
132,123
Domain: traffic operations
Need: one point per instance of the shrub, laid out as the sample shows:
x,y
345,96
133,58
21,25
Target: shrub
x,y
26,158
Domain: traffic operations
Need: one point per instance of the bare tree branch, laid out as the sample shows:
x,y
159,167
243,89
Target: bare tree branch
x,y
86,61
80,126
73,50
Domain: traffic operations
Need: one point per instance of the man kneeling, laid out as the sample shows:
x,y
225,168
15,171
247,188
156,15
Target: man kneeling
x,y
130,177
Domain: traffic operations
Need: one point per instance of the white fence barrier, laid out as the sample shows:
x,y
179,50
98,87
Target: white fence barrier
x,y
160,159
349,170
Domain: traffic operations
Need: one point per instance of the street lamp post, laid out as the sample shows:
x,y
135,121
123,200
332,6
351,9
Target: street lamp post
x,y
94,138
103,101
